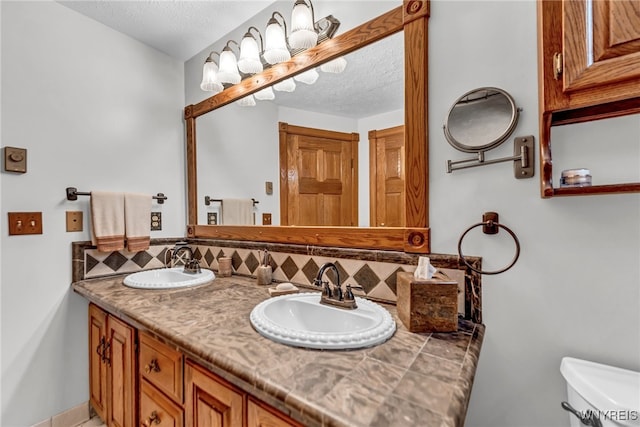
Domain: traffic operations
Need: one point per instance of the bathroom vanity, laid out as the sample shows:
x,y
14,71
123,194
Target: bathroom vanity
x,y
191,354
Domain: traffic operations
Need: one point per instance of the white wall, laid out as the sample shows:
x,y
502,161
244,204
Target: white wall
x,y
76,106
575,291
98,111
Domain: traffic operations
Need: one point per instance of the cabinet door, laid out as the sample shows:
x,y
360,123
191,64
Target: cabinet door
x,y
97,368
156,409
259,415
211,402
121,374
600,46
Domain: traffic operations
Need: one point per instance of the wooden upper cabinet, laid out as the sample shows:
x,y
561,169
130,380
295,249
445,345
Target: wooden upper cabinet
x,y
589,55
589,69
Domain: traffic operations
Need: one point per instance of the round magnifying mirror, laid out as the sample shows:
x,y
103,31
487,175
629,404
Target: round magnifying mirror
x,y
481,119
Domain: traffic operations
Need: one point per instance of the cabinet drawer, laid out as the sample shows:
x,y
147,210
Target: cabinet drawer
x,y
161,365
157,410
261,415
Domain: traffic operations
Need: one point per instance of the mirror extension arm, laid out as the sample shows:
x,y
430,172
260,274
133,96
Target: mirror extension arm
x,y
523,159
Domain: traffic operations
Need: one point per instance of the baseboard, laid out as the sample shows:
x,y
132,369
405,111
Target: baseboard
x,y
69,418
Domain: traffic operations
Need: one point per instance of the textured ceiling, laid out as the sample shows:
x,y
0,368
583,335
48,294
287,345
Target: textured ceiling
x,y
372,83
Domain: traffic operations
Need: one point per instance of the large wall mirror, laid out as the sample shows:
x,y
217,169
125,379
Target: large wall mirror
x,y
220,134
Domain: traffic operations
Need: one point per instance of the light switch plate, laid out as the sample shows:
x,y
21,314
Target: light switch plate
x,y
268,186
25,223
15,159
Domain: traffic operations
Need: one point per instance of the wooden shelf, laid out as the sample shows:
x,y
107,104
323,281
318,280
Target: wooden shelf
x,y
574,87
633,187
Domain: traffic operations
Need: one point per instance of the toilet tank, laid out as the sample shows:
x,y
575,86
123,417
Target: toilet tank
x,y
612,394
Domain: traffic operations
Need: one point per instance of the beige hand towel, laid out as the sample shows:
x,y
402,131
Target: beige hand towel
x,y
137,219
237,212
107,218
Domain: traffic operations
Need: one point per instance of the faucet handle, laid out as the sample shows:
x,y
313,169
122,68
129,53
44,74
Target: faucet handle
x,y
348,294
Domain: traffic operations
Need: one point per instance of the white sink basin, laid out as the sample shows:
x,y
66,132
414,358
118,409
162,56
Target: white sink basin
x,y
300,320
167,278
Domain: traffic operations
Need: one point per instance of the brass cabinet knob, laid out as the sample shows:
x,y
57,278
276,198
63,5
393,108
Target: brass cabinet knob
x,y
152,366
154,418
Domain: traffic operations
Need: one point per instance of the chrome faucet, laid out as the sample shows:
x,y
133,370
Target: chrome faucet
x,y
334,296
183,252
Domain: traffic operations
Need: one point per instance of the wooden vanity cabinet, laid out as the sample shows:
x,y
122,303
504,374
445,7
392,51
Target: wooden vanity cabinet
x,y
161,383
112,368
213,402
171,392
589,69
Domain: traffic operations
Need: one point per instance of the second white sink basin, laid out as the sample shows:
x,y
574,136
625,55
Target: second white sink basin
x,y
167,278
300,320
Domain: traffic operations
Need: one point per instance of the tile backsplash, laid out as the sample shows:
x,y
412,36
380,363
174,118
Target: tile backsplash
x,y
373,270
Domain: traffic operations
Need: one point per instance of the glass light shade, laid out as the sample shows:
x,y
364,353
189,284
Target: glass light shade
x,y
275,50
287,85
334,66
265,94
303,35
249,62
210,81
228,72
247,101
308,77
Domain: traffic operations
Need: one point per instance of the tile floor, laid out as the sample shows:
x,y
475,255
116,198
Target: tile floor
x,y
93,422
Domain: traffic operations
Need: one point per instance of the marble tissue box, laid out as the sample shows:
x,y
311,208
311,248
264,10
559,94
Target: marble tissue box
x,y
427,305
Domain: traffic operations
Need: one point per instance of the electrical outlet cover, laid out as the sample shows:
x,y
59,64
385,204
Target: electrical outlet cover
x,y
156,221
74,221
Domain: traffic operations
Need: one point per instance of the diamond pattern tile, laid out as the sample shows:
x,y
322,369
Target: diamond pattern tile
x,y
161,255
236,260
90,262
115,261
209,257
251,262
142,259
366,278
289,268
378,279
392,280
310,270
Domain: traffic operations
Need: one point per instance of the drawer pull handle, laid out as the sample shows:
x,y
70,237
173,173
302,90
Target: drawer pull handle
x,y
106,352
100,349
152,366
154,418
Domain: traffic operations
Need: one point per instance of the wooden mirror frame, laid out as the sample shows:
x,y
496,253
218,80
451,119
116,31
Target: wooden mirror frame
x,y
412,18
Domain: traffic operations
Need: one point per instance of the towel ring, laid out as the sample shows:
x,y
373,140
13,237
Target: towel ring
x,y
490,225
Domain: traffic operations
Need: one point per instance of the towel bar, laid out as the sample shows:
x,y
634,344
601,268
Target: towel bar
x,y
208,200
73,193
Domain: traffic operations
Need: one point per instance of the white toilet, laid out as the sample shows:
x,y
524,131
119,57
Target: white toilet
x,y
602,395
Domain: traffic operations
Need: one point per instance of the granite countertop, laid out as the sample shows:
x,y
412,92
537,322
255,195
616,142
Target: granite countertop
x,y
412,379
